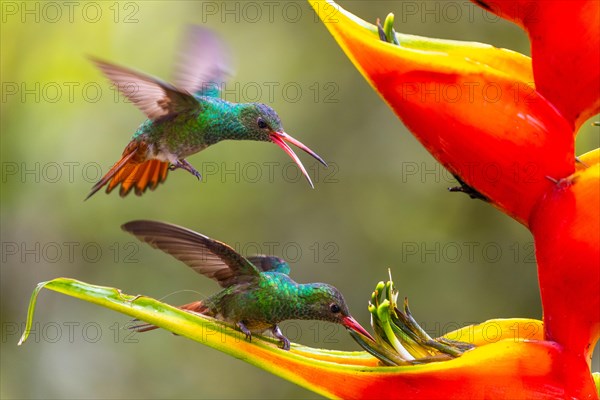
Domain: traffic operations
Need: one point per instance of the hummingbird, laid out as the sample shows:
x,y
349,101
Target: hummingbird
x,y
257,291
186,117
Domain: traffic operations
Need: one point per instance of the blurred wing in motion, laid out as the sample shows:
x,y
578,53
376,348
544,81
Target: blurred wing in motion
x,y
204,63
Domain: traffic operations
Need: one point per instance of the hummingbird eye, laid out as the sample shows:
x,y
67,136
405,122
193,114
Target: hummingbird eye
x,y
261,123
334,308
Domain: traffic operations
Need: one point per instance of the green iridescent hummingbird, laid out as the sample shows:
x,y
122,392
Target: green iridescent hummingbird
x,y
258,293
187,117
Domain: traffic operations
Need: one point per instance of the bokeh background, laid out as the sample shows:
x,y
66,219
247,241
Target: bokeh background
x,y
382,204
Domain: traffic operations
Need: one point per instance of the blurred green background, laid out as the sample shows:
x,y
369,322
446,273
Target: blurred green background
x,y
382,204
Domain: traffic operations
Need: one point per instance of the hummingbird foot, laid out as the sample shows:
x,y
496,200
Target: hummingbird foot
x,y
245,331
285,343
183,164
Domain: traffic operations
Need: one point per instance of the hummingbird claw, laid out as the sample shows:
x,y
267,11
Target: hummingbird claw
x,y
245,331
183,164
285,343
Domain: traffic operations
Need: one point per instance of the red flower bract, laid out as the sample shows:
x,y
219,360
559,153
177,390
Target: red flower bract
x,y
472,107
477,112
566,228
565,48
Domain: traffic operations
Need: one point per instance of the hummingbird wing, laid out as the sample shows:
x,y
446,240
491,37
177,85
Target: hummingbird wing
x,y
152,96
270,263
207,256
204,63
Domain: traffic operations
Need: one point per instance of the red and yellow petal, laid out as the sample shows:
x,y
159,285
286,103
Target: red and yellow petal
x,y
473,110
510,361
506,369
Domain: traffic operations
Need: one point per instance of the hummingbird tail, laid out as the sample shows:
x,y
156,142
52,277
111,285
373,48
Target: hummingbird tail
x,y
133,170
196,307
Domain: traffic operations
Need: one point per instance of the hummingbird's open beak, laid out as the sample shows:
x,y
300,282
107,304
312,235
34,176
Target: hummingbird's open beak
x,y
351,323
280,139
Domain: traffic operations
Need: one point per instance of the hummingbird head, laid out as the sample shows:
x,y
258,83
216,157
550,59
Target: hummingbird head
x,y
328,304
262,123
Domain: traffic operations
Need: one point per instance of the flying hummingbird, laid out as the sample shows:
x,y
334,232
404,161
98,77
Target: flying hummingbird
x,y
186,117
257,292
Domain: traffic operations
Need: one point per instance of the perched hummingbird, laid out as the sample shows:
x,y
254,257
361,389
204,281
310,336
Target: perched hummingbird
x,y
258,293
186,117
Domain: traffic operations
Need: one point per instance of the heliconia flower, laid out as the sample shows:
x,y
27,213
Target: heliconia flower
x,y
565,47
471,105
523,131
510,359
476,109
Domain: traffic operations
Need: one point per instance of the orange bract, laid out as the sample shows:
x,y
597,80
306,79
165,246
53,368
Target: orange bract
x,y
486,124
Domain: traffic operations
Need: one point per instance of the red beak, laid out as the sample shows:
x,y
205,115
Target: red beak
x,y
350,323
280,139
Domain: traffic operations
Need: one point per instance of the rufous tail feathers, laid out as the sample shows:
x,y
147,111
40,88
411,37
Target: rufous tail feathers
x,y
196,306
133,170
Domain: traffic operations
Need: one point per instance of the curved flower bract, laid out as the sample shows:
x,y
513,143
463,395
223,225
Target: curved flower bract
x,y
569,273
565,47
480,118
510,361
515,149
